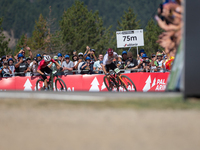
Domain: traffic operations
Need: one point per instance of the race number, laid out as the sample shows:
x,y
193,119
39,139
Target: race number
x,y
117,70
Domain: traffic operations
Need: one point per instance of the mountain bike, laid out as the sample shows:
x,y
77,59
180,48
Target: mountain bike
x,y
59,83
118,82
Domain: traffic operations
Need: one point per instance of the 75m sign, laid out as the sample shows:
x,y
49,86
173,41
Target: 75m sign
x,y
130,38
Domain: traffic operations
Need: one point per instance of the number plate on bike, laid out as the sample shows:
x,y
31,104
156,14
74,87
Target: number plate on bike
x,y
117,70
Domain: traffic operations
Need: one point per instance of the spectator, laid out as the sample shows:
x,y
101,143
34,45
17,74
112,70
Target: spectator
x,y
120,66
97,65
22,51
80,62
39,58
33,67
3,58
60,58
154,64
139,57
67,65
124,58
5,70
28,60
147,65
87,66
75,59
21,67
80,55
86,51
91,54
74,52
54,67
130,62
160,62
11,65
142,62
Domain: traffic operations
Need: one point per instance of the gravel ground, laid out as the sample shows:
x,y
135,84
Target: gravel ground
x,y
32,126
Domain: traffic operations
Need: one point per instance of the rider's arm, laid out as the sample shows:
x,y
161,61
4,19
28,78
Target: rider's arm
x,y
50,65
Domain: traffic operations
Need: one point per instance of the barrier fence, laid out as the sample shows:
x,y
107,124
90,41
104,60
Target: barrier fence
x,y
76,72
144,82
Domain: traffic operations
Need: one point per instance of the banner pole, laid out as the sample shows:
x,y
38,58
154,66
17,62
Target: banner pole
x,y
137,50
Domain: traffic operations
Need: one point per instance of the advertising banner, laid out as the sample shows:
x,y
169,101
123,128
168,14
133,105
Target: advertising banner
x,y
144,82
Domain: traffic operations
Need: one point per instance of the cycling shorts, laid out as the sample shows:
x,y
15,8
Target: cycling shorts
x,y
110,66
46,70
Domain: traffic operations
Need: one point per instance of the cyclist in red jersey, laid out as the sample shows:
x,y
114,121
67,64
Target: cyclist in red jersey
x,y
43,68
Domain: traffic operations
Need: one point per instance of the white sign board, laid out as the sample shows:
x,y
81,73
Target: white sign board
x,y
130,38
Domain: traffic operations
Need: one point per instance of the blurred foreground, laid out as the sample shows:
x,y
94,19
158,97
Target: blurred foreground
x,y
140,124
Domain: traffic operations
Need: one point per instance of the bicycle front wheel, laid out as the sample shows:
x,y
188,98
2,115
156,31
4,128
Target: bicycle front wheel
x,y
40,85
110,85
126,84
60,85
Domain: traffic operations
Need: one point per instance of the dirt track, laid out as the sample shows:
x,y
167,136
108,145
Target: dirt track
x,y
41,127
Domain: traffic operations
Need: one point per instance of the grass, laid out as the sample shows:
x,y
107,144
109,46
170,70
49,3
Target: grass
x,y
171,103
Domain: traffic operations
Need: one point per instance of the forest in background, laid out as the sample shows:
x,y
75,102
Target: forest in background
x,y
20,15
76,27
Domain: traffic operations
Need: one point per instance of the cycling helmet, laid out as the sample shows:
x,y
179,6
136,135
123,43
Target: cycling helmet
x,y
87,58
38,55
59,55
110,52
47,58
20,55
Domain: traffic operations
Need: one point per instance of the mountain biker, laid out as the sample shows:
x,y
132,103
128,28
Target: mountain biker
x,y
108,62
43,68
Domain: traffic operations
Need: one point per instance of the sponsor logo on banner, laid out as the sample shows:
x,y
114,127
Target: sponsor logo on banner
x,y
94,86
130,45
27,85
156,85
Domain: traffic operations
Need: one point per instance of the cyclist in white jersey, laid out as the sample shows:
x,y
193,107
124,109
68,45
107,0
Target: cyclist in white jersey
x,y
108,61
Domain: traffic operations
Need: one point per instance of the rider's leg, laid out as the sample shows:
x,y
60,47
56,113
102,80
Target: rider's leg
x,y
45,83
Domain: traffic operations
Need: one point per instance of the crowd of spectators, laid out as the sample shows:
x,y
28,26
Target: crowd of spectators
x,y
81,63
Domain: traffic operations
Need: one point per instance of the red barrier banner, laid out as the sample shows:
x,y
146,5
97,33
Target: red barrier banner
x,y
144,82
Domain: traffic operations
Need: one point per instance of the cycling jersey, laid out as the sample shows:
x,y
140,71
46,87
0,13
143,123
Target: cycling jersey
x,y
109,59
43,64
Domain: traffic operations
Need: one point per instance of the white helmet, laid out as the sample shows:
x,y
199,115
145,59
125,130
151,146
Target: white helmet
x,y
47,58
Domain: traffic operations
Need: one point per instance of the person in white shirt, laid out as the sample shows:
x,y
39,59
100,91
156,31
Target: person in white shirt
x,y
97,65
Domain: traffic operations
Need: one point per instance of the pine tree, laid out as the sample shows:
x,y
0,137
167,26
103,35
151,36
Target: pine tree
x,y
128,22
54,38
4,50
37,41
150,37
81,27
21,43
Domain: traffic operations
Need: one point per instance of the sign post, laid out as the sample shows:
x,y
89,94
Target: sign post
x,y
130,38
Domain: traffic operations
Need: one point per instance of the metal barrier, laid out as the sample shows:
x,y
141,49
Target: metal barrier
x,y
84,72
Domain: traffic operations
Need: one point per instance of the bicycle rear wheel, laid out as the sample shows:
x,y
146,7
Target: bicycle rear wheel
x,y
60,85
40,85
126,84
110,85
